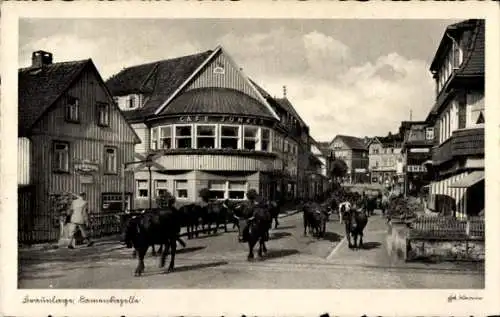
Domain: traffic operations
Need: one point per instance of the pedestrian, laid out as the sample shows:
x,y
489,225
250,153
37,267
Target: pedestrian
x,y
79,220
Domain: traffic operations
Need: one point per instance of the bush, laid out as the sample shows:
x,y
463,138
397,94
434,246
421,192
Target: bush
x,y
60,205
252,194
400,207
165,200
204,194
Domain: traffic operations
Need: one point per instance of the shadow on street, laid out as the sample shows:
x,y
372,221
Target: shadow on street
x,y
279,235
332,236
285,227
190,249
371,245
199,266
274,254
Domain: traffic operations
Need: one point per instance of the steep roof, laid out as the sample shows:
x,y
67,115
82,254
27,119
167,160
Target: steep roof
x,y
287,105
40,88
216,101
473,63
352,142
161,79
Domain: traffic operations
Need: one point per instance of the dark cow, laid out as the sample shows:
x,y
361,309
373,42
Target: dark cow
x,y
355,222
190,218
315,218
370,204
258,229
161,226
274,209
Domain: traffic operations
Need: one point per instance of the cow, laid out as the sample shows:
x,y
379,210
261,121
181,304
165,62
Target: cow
x,y
355,222
258,229
274,209
153,227
315,218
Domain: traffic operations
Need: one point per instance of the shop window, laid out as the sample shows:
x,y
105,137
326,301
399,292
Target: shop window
x,y
181,188
166,138
250,138
154,139
217,189
110,160
265,143
237,190
113,202
205,136
229,137
61,157
72,113
161,187
142,189
183,135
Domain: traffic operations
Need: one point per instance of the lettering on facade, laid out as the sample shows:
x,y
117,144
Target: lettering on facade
x,y
86,167
222,119
416,169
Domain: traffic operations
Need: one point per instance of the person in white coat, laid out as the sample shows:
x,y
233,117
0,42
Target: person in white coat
x,y
79,219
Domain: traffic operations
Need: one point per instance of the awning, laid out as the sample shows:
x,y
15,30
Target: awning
x,y
469,180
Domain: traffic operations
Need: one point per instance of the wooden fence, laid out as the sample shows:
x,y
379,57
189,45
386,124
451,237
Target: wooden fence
x,y
447,228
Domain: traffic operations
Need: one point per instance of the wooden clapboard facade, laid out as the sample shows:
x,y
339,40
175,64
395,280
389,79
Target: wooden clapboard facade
x,y
457,118
72,138
209,126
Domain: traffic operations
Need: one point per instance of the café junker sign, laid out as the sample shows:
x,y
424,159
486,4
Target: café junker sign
x,y
220,119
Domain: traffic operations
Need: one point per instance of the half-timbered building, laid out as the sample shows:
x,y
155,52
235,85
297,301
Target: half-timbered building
x,y
72,138
204,124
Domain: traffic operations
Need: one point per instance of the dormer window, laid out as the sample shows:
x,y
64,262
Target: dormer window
x,y
429,133
131,102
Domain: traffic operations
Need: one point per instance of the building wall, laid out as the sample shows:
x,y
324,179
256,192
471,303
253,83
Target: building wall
x,y
86,142
23,161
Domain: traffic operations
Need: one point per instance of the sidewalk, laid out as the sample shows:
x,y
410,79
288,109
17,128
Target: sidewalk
x,y
116,237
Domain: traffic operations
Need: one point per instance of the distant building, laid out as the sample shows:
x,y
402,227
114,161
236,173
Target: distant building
x,y
384,159
458,117
416,150
317,170
354,152
72,138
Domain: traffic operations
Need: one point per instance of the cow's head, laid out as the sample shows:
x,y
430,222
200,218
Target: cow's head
x,y
128,225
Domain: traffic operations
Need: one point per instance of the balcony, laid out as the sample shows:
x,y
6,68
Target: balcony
x,y
463,142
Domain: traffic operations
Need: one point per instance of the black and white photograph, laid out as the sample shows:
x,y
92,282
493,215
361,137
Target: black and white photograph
x,y
252,153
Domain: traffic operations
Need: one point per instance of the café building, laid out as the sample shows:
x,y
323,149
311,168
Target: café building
x,y
204,124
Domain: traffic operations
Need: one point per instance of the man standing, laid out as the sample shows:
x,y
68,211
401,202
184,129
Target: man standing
x,y
79,219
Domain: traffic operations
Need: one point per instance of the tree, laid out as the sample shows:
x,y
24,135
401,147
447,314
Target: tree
x,y
338,169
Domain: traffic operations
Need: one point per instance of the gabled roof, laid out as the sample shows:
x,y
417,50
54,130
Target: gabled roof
x,y
164,81
287,105
40,88
352,142
161,78
324,147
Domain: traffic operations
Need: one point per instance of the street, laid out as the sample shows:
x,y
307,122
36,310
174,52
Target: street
x,y
220,261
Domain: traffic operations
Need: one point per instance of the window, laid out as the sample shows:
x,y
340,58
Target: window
x,y
462,115
110,160
205,137
181,188
229,137
166,137
131,101
154,138
72,110
160,187
183,137
429,133
250,138
457,55
217,189
112,202
265,143
142,188
103,114
61,157
237,190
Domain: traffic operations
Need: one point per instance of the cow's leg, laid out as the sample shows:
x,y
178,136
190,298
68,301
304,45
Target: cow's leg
x,y
181,242
153,252
164,254
305,228
140,265
276,223
348,236
251,244
173,247
361,240
261,242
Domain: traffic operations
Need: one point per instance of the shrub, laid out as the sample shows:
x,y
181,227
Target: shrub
x,y
252,194
399,207
60,205
204,194
165,200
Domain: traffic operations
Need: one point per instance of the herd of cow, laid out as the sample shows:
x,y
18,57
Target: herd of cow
x,y
162,226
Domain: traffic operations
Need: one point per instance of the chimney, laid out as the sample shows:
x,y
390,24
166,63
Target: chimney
x,y
40,59
284,91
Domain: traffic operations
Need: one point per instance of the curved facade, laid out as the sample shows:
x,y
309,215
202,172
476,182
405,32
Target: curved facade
x,y
216,129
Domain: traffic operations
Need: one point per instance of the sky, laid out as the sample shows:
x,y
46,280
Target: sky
x,y
353,77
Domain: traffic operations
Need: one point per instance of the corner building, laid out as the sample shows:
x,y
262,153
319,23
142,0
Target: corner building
x,y
206,125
